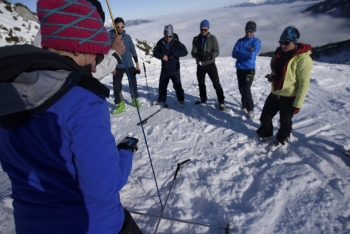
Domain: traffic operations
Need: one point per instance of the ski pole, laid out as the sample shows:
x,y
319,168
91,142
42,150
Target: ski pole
x,y
171,187
149,99
137,108
227,228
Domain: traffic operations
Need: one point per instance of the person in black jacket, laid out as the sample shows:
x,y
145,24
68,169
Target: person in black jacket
x,y
169,49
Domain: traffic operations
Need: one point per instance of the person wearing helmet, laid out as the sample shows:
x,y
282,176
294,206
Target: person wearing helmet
x,y
290,78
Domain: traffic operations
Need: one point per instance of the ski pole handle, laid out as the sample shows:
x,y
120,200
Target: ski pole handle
x,y
183,162
144,67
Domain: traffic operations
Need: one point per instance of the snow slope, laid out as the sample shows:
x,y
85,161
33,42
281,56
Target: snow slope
x,y
232,178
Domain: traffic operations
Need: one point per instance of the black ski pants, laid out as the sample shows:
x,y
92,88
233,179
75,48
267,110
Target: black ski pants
x,y
117,84
129,225
214,77
272,105
245,80
163,85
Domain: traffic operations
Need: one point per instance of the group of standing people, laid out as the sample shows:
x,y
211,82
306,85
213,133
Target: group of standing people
x,y
290,74
56,146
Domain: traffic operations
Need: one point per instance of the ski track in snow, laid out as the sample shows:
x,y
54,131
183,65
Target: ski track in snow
x,y
232,177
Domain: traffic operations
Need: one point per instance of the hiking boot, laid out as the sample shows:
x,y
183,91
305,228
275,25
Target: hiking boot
x,y
250,114
200,101
222,107
119,108
161,104
181,104
136,101
276,144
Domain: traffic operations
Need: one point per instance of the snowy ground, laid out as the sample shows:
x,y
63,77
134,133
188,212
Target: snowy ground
x,y
232,178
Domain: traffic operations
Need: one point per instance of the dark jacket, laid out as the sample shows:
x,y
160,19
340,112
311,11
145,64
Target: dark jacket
x,y
174,52
56,145
211,46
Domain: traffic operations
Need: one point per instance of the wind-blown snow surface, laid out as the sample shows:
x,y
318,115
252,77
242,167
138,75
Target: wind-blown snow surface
x,y
231,178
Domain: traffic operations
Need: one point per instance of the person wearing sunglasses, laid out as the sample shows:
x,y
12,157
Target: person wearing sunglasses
x,y
56,143
110,60
120,70
290,76
169,50
245,51
205,48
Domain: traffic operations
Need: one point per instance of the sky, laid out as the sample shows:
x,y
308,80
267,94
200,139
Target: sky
x,y
141,9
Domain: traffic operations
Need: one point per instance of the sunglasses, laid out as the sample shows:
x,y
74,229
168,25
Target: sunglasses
x,y
204,29
249,31
285,43
120,26
99,58
169,36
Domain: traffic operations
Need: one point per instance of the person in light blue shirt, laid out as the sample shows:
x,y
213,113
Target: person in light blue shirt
x,y
245,51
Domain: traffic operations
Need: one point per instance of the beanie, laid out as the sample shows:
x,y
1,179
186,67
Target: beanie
x,y
290,33
250,26
205,23
168,30
73,26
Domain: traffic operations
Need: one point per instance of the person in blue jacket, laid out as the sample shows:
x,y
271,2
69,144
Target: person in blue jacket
x,y
245,51
118,73
55,140
169,49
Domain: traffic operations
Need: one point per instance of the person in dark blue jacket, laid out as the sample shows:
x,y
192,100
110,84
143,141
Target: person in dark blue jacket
x,y
245,51
169,49
55,140
118,73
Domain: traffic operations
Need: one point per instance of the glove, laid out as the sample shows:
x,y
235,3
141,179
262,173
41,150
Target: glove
x,y
125,146
296,110
270,78
129,143
136,72
205,56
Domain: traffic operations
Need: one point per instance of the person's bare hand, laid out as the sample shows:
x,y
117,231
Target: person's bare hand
x,y
114,72
251,49
165,58
118,45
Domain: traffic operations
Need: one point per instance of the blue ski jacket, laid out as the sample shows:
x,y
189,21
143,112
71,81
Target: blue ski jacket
x,y
130,51
65,169
241,52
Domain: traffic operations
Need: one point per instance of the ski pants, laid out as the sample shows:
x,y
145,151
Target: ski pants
x,y
117,84
245,80
272,105
129,225
214,77
163,85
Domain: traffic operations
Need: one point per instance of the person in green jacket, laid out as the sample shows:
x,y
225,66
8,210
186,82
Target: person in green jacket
x,y
205,48
290,78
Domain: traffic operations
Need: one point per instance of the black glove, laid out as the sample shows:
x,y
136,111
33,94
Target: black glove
x,y
129,143
205,56
136,72
270,78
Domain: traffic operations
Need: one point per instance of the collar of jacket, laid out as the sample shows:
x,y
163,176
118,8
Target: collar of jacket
x,y
36,69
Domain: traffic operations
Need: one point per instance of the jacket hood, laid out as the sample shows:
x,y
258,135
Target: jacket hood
x,y
32,79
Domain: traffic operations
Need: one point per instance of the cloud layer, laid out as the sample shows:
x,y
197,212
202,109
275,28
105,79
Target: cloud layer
x,y
227,24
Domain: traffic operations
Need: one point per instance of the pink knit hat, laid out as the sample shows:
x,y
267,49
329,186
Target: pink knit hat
x,y
72,25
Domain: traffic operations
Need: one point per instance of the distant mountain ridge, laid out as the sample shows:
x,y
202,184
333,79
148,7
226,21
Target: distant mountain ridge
x,y
336,8
248,3
128,23
336,53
